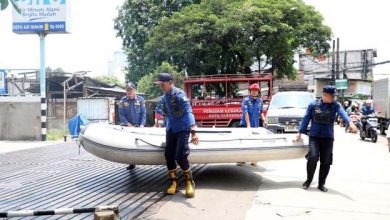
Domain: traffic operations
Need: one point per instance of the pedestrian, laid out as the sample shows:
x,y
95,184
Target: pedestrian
x,y
252,112
322,114
132,111
180,126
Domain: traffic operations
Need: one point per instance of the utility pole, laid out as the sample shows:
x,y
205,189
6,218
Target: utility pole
x,y
42,83
344,71
338,59
333,66
345,65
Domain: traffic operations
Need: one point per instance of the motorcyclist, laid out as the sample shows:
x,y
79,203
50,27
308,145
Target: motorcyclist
x,y
346,105
367,109
354,108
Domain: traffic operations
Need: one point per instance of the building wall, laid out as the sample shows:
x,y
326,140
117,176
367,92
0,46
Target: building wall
x,y
55,113
20,118
355,87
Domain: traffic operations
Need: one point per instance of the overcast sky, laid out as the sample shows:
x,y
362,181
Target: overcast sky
x,y
359,24
89,46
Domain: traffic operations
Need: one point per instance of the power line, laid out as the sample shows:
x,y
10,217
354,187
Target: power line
x,y
372,64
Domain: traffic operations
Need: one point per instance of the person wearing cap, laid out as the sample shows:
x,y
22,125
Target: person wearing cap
x,y
252,112
132,111
322,114
180,126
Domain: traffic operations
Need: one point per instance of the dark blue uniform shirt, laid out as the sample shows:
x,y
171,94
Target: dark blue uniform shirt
x,y
178,111
132,111
253,107
322,130
367,110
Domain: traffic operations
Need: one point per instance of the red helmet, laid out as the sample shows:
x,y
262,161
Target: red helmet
x,y
255,87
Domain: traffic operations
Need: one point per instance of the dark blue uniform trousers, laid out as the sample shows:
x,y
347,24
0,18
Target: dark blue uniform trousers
x,y
319,149
177,149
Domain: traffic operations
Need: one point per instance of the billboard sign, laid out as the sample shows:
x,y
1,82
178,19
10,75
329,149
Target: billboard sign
x,y
341,84
3,82
41,16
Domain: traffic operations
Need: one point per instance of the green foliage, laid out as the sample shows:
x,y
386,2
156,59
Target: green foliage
x,y
56,70
109,79
134,22
146,83
228,36
4,4
55,135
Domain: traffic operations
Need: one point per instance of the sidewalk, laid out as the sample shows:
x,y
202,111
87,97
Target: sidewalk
x,y
8,146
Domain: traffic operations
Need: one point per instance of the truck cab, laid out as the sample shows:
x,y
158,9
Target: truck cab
x,y
286,111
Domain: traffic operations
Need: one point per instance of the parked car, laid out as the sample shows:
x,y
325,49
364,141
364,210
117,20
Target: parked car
x,y
286,110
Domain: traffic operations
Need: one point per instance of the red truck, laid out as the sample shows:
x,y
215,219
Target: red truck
x,y
216,99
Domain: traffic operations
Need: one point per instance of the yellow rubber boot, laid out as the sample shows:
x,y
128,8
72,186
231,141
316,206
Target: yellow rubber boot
x,y
172,188
190,184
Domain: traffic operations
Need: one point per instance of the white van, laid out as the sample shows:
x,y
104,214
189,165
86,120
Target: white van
x,y
286,110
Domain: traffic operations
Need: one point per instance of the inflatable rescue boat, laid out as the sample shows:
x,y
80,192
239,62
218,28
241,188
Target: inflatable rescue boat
x,y
145,146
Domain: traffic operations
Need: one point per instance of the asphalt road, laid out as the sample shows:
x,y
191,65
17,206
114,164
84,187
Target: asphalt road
x,y
358,183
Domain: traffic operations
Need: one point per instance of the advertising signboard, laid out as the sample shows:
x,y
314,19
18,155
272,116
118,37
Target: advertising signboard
x,y
41,16
341,83
3,82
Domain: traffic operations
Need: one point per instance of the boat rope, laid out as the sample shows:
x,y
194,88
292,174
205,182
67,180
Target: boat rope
x,y
137,132
153,145
244,139
62,211
236,139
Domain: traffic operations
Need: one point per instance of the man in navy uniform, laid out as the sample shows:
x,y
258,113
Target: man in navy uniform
x,y
252,109
252,112
322,114
132,111
180,125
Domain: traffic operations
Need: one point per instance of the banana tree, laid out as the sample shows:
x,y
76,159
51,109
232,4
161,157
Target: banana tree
x,y
4,4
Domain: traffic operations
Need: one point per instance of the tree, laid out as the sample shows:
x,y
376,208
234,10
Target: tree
x,y
109,79
134,22
146,83
229,36
4,4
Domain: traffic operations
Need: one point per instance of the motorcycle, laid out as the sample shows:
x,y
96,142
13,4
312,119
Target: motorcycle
x,y
368,127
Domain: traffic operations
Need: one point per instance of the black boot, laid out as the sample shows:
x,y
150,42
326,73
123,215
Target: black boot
x,y
324,170
310,169
322,188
